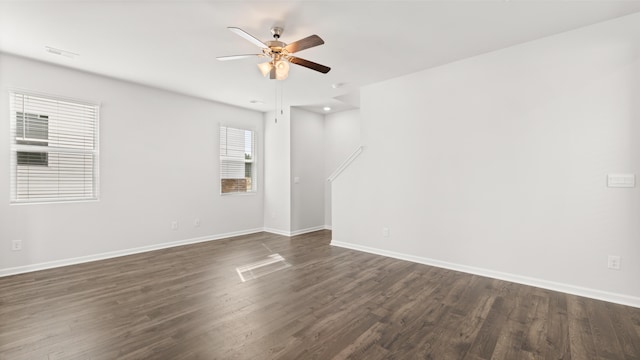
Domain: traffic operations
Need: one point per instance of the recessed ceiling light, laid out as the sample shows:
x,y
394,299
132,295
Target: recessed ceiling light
x,y
60,52
337,85
256,102
326,108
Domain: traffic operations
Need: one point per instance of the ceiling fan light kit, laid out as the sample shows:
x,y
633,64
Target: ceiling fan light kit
x,y
278,70
279,53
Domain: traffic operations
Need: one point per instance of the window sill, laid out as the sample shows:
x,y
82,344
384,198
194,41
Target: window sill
x,y
45,202
246,193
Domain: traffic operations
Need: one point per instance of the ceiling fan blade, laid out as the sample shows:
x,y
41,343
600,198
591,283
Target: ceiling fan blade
x,y
309,64
308,42
236,57
252,39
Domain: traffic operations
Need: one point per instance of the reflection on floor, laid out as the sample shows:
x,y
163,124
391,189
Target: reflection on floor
x,y
272,263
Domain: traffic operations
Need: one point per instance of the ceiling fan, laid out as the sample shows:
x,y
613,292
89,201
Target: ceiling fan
x,y
279,53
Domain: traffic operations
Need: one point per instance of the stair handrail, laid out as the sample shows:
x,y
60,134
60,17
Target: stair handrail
x,y
345,163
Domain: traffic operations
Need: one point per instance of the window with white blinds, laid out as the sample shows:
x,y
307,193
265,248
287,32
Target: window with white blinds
x,y
54,149
237,160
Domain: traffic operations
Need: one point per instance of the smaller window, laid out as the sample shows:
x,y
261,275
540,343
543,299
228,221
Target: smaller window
x,y
237,160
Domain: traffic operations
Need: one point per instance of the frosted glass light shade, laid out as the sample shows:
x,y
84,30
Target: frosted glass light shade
x,y
265,68
282,69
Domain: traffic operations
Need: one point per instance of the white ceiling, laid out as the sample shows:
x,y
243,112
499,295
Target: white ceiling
x,y
173,44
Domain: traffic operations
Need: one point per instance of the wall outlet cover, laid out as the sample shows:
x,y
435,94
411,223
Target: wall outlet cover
x,y
16,245
614,262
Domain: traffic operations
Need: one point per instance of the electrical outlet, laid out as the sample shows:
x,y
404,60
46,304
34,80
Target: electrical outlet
x,y
196,222
16,245
174,225
385,231
614,262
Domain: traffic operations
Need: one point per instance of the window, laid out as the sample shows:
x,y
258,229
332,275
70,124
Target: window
x,y
54,152
237,160
32,129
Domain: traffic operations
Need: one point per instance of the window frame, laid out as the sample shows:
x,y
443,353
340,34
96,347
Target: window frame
x,y
15,147
253,161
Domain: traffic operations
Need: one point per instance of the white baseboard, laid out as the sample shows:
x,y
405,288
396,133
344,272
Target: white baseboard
x,y
117,253
295,232
277,231
307,230
328,227
545,284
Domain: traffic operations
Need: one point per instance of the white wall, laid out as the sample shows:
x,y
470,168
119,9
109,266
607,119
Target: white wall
x,y
309,147
341,139
307,159
277,194
158,163
497,164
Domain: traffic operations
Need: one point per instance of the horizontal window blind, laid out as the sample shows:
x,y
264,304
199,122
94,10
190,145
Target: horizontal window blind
x,y
54,149
237,160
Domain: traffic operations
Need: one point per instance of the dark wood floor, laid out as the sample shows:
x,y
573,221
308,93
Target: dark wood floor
x,y
331,303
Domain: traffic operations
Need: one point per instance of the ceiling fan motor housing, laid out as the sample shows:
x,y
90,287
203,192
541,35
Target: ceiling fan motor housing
x,y
276,47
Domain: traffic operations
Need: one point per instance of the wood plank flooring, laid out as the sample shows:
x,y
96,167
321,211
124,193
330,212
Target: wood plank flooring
x,y
332,303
